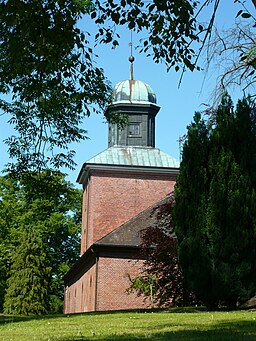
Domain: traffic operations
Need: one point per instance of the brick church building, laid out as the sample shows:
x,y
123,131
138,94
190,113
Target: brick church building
x,y
120,187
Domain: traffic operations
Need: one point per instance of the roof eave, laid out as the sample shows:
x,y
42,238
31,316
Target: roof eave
x,y
93,251
134,107
88,167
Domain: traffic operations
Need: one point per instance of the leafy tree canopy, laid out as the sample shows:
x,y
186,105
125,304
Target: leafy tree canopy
x,y
47,64
174,31
41,210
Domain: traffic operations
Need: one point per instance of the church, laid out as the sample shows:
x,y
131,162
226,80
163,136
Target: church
x,y
121,186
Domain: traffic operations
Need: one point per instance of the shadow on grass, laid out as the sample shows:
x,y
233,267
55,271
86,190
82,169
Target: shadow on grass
x,y
222,331
245,330
20,318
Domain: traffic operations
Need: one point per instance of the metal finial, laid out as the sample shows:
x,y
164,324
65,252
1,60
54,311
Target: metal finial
x,y
131,59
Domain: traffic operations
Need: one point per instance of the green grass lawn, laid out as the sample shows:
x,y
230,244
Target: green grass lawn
x,y
174,324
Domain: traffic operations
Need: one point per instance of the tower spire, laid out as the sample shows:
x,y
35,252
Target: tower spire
x,y
131,59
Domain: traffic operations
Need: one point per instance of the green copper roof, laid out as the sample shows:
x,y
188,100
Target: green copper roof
x,y
134,156
133,91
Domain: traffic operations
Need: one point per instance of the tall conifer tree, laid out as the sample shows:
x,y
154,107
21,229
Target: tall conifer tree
x,y
190,196
215,215
27,286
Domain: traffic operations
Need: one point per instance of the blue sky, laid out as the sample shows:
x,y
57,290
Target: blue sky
x,y
177,104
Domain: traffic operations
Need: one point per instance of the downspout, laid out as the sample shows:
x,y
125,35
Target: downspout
x,y
96,283
87,215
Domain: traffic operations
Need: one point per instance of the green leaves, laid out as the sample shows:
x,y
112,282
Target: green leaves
x,y
243,14
52,79
144,284
27,286
40,223
215,212
171,27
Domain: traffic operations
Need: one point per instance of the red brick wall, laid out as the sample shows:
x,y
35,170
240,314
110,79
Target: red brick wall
x,y
112,284
110,199
110,287
80,294
115,198
84,219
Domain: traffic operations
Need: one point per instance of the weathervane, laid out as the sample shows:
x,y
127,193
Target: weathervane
x,y
131,59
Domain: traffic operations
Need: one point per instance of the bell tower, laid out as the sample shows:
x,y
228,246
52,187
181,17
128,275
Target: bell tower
x,y
120,185
136,101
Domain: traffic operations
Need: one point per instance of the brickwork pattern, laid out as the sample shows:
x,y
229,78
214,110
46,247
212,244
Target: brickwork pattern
x,y
113,282
84,219
110,199
80,295
114,199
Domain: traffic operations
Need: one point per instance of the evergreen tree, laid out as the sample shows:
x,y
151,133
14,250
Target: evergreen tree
x,y
50,207
215,214
27,286
190,196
